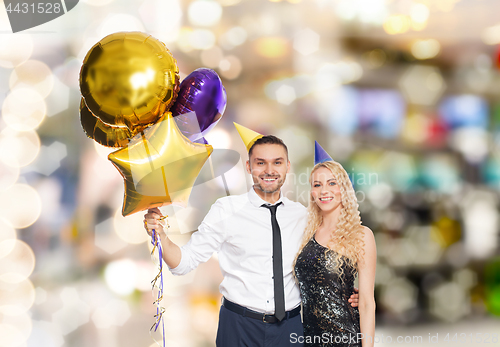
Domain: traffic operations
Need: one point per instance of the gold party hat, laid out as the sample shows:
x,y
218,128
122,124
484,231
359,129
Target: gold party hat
x,y
248,136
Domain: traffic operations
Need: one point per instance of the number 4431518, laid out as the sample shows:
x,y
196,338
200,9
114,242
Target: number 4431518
x,y
31,8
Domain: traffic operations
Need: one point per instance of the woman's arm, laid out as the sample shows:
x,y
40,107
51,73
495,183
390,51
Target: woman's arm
x,y
366,289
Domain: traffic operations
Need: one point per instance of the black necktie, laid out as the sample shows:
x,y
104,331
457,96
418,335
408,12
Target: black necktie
x,y
279,291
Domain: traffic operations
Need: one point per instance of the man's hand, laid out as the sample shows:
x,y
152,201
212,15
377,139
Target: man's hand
x,y
354,299
153,220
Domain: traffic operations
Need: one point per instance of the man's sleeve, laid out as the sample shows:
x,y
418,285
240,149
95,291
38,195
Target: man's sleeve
x,y
204,242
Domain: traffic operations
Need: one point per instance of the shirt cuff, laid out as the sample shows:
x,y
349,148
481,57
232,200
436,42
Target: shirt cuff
x,y
181,268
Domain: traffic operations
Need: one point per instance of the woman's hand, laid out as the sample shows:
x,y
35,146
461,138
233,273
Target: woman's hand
x,y
154,220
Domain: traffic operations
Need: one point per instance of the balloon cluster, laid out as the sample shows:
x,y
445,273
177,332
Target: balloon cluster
x,y
132,100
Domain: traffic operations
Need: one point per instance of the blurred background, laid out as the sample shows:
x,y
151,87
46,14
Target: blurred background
x,y
404,93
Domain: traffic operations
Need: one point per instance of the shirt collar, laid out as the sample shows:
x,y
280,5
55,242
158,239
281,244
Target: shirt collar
x,y
257,201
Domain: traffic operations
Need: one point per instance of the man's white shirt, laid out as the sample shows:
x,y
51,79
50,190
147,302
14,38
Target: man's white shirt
x,y
239,229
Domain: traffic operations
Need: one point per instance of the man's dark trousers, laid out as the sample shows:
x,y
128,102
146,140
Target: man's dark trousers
x,y
238,331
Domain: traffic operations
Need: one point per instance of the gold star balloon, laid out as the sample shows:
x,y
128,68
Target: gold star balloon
x,y
129,79
159,166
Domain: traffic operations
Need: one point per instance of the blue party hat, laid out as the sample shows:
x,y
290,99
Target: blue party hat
x,y
320,155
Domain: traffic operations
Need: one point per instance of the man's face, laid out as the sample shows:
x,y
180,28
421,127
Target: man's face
x,y
268,166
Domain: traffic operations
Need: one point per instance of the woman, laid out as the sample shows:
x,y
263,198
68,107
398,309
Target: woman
x,y
334,249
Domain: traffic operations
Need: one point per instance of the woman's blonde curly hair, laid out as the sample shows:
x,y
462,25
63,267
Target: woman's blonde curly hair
x,y
346,241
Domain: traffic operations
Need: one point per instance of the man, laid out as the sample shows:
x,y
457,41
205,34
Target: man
x,y
246,230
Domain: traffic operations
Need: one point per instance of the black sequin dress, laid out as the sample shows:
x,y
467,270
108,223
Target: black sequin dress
x,y
329,319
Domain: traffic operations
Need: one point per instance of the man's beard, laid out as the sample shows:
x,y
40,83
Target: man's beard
x,y
266,190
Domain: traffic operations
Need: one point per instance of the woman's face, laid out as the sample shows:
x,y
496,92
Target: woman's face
x,y
324,190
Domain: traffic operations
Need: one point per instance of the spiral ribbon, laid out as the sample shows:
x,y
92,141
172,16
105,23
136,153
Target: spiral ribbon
x,y
158,283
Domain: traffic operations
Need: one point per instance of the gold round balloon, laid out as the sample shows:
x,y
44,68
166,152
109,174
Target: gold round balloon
x,y
102,133
129,79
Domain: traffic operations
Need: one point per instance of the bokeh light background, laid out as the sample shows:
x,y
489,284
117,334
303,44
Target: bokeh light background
x,y
404,93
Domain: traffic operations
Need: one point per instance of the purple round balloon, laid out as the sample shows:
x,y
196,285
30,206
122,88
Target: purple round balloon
x,y
200,103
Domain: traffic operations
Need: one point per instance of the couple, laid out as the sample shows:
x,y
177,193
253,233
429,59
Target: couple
x,y
263,252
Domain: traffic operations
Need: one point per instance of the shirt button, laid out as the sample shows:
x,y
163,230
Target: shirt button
x,y
268,301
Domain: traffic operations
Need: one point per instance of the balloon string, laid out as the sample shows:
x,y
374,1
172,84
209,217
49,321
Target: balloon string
x,y
159,309
155,240
211,166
